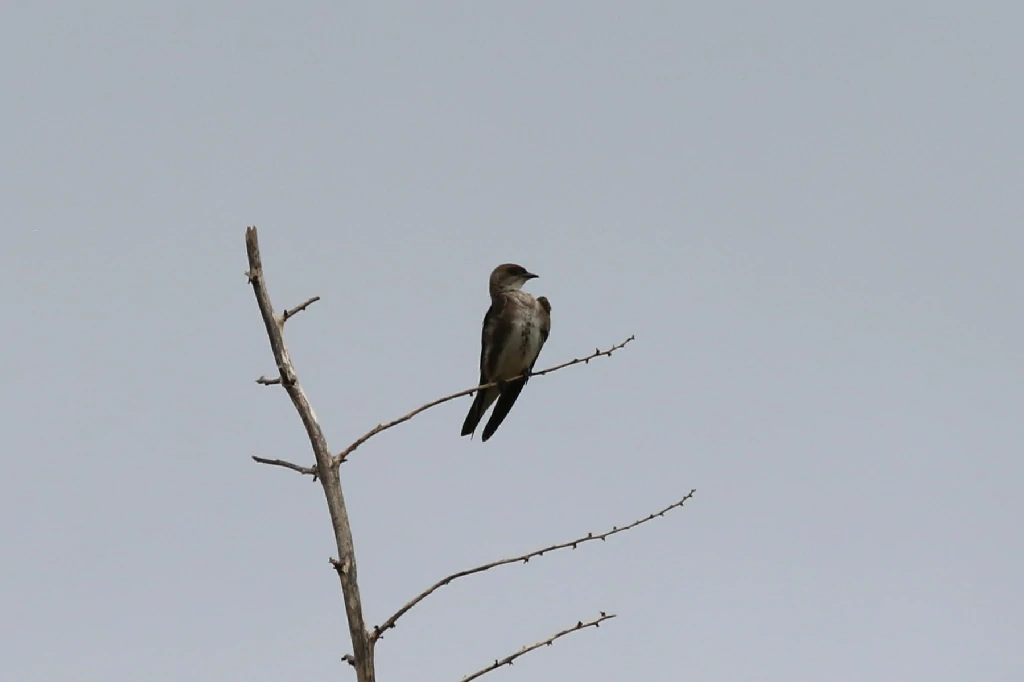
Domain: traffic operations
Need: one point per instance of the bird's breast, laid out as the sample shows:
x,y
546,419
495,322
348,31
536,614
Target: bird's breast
x,y
524,342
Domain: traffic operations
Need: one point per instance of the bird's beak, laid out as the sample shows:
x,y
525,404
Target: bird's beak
x,y
530,275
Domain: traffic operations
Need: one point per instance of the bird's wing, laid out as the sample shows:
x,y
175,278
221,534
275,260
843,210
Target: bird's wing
x,y
493,335
493,338
545,325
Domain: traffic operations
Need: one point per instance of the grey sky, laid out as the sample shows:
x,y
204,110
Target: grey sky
x,y
809,215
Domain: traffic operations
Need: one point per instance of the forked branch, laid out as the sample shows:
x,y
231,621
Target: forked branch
x,y
379,630
580,625
434,403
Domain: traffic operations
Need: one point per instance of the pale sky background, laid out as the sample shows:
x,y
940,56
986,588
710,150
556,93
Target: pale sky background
x,y
810,215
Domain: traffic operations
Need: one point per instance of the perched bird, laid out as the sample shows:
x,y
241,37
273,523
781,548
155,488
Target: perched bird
x,y
515,329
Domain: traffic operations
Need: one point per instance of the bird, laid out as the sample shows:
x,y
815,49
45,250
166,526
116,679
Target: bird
x,y
515,328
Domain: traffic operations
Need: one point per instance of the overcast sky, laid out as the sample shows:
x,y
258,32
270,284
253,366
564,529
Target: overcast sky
x,y
809,214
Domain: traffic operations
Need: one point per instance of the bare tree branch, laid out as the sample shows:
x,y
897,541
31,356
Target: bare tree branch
x,y
362,645
379,630
327,471
547,642
311,471
469,391
288,314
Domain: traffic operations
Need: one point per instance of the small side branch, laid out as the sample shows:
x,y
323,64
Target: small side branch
x,y
310,471
508,660
469,391
288,314
379,630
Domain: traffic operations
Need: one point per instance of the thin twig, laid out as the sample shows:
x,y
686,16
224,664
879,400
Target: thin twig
x,y
311,471
288,314
469,391
379,630
580,625
268,382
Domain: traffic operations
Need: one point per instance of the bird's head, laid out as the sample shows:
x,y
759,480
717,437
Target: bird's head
x,y
509,277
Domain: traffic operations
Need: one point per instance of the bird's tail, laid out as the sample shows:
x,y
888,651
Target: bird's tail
x,y
505,402
481,402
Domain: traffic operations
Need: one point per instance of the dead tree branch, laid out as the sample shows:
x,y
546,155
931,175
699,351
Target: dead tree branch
x,y
547,642
327,471
310,471
379,630
362,645
288,314
469,391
